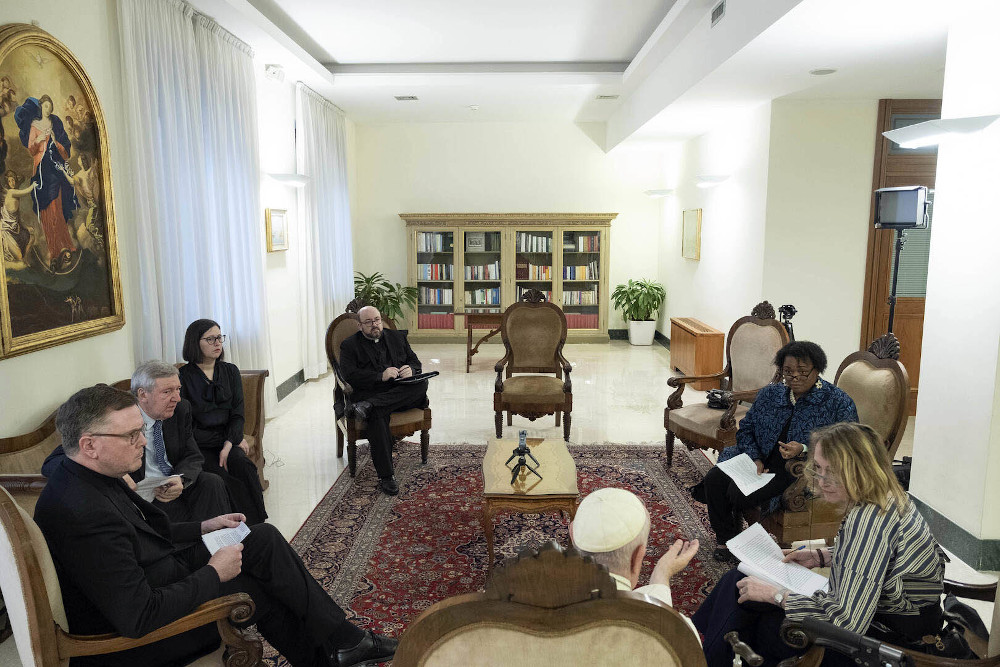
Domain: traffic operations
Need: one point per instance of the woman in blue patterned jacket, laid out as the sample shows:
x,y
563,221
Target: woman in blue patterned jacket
x,y
774,430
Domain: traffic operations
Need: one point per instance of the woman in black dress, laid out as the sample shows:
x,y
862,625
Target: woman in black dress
x,y
215,391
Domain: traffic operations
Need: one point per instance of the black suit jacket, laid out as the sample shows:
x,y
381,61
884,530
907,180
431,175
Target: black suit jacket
x,y
178,440
361,368
118,572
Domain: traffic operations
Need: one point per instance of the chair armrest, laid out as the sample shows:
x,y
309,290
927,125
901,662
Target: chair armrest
x,y
237,608
498,387
567,368
864,651
16,483
685,379
794,498
986,592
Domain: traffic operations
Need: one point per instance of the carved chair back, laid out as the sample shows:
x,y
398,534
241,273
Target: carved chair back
x,y
750,348
554,606
534,333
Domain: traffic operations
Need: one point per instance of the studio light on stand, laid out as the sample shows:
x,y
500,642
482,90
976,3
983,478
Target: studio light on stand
x,y
901,209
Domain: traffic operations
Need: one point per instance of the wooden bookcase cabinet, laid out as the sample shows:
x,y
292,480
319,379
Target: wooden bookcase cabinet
x,y
489,255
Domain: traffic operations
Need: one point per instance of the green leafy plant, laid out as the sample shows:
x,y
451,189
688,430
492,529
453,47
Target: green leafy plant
x,y
391,299
638,299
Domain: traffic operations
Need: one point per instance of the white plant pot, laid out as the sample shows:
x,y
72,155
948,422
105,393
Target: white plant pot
x,y
641,333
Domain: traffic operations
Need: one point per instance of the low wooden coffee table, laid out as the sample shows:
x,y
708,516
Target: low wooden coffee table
x,y
557,490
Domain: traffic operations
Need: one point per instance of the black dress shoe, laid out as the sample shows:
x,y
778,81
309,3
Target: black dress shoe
x,y
388,485
724,555
361,409
371,650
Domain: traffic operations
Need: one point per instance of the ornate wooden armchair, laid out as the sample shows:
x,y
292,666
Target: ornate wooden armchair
x,y
21,458
750,348
402,424
879,386
554,607
33,598
534,333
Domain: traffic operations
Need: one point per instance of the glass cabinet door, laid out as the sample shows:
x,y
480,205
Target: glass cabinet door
x,y
581,280
435,280
482,271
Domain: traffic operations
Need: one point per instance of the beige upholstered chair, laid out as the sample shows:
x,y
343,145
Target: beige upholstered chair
x,y
33,597
21,458
879,386
534,333
402,424
750,348
549,607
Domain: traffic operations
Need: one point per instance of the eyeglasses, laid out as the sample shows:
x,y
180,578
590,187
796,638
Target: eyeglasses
x,y
212,340
828,479
796,375
132,436
368,323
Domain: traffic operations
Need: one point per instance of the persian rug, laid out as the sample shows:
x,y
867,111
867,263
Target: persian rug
x,y
386,559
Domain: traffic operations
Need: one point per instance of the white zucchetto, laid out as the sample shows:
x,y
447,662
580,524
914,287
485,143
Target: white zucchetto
x,y
607,520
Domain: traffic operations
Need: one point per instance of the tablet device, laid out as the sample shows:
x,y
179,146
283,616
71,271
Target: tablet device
x,y
413,379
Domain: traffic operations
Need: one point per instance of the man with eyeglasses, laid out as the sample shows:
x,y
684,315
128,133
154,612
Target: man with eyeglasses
x,y
125,568
371,361
171,475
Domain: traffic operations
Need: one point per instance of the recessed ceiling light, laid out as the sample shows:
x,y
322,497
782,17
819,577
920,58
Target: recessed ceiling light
x,y
822,71
405,98
710,180
473,107
607,97
658,194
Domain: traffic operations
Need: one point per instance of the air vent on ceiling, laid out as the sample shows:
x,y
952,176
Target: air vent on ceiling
x,y
405,98
607,97
718,12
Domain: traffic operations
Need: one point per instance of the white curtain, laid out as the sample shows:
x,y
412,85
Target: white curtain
x,y
326,275
191,120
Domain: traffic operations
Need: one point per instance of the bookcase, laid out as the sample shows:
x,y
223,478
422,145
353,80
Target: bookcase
x,y
483,262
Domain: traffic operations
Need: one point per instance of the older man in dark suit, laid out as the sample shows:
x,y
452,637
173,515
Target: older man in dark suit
x,y
124,567
371,360
187,493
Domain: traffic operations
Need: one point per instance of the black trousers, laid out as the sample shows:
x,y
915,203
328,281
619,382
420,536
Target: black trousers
x,y
726,502
395,399
241,482
205,498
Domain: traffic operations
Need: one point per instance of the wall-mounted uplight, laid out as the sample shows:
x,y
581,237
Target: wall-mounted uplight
x,y
932,132
292,180
710,180
658,194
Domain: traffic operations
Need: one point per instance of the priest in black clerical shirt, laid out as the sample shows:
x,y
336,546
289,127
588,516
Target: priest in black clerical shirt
x,y
371,361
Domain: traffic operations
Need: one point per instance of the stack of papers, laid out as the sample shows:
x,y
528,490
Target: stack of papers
x,y
742,470
224,537
761,557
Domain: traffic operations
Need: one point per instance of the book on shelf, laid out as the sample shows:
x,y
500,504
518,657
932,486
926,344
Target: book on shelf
x,y
521,269
434,271
475,241
434,241
581,320
580,297
430,296
435,321
487,296
489,271
527,242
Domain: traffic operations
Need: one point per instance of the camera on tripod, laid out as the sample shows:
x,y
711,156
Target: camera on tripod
x,y
522,453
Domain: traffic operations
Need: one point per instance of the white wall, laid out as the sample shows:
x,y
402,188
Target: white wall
x,y
726,283
500,168
33,385
818,199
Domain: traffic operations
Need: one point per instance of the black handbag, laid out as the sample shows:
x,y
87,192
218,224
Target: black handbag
x,y
719,399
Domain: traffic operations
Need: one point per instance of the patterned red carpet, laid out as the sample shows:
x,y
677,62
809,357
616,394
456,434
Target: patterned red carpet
x,y
387,559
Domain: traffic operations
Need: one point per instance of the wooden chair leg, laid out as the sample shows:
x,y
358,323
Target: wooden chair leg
x,y
670,448
425,444
499,423
340,444
566,420
352,456
558,414
510,418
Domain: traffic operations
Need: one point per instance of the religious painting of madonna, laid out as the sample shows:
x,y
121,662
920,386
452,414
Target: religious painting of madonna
x,y
60,254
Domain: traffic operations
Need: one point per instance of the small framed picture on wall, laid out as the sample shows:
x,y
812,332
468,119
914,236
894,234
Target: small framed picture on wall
x,y
691,235
276,223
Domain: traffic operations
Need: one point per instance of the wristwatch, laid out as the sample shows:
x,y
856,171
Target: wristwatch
x,y
779,597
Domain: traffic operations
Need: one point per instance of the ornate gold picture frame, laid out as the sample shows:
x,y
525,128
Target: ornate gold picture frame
x,y
691,234
60,251
276,229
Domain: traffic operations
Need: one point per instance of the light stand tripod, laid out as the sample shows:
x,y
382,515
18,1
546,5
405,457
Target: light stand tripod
x,y
519,453
900,242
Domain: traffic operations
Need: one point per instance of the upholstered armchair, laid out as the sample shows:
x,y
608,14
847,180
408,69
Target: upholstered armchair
x,y
750,348
554,607
402,424
534,333
33,598
880,387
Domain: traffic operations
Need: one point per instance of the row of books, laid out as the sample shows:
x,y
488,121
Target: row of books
x,y
581,243
484,272
482,241
435,321
483,297
522,290
534,242
588,271
580,298
431,296
581,320
525,270
435,242
435,272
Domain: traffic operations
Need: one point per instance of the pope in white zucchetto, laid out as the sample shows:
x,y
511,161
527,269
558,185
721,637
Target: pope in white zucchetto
x,y
612,527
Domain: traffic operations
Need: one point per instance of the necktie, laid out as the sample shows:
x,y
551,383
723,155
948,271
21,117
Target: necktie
x,y
159,450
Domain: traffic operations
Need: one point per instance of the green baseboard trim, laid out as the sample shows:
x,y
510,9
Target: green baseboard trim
x,y
978,553
291,384
622,334
661,339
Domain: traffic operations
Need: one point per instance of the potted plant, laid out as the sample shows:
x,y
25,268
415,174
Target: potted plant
x,y
391,299
639,300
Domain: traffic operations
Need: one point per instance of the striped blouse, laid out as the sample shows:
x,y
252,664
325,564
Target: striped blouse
x,y
883,563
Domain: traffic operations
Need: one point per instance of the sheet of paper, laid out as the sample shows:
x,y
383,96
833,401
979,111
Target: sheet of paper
x,y
742,470
761,557
225,537
146,487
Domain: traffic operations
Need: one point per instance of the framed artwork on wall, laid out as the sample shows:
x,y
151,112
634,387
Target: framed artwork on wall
x,y
61,277
276,224
691,235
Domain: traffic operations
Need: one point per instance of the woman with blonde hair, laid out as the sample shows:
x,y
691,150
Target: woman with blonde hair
x,y
886,569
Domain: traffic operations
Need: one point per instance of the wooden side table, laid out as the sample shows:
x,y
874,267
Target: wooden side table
x,y
696,349
483,320
556,491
